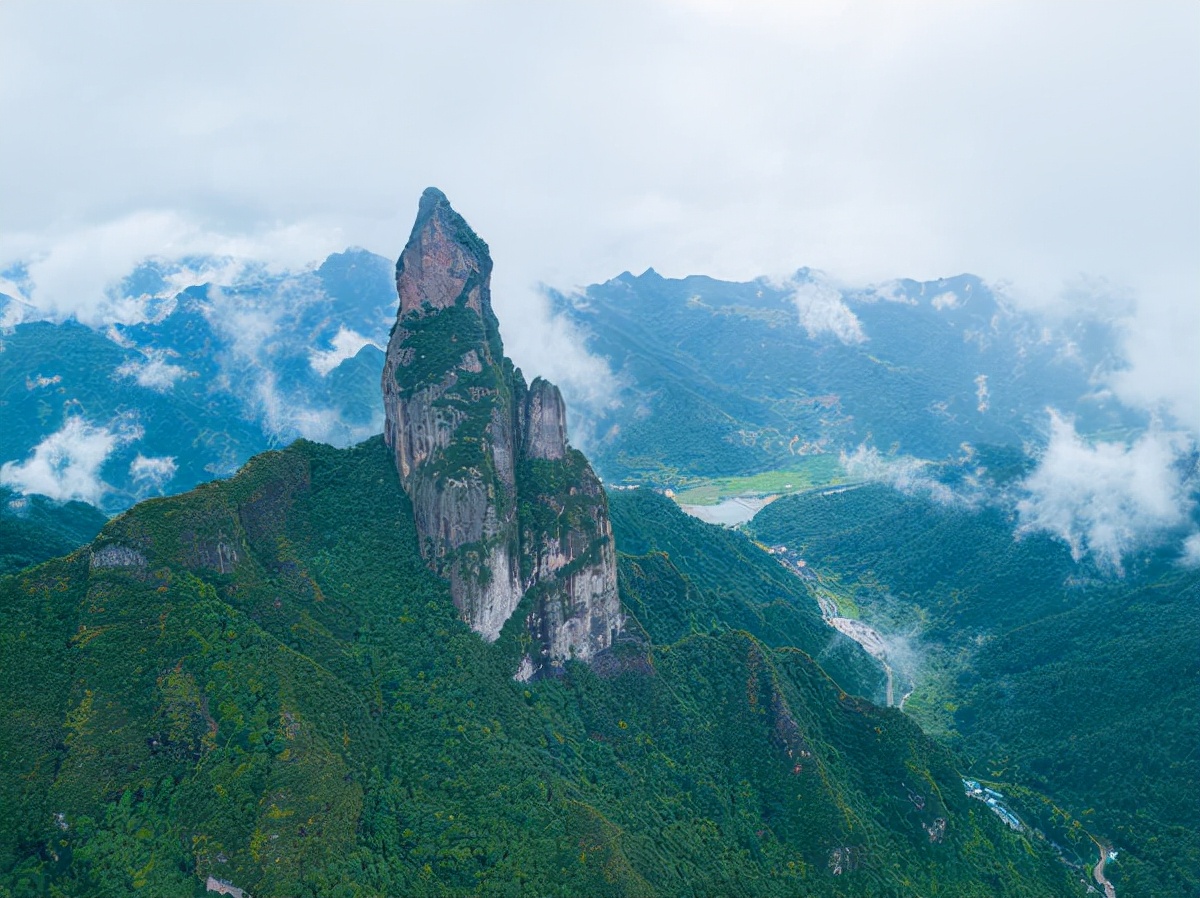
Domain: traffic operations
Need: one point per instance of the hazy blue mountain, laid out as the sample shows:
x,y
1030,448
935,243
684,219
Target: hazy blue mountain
x,y
212,376
719,378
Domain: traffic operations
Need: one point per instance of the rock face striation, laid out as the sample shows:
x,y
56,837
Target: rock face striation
x,y
504,506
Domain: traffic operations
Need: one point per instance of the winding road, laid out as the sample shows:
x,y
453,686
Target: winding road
x,y
1098,870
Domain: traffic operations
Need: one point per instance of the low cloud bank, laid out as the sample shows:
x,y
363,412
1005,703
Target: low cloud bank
x,y
1150,363
1190,556
260,331
152,473
346,344
904,473
546,343
823,311
80,273
1107,499
1104,499
982,396
66,465
155,373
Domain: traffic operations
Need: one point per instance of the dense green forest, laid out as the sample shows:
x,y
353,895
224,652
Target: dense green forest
x,y
34,529
1046,672
259,680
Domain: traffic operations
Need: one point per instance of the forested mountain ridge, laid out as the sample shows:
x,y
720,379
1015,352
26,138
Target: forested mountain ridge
x,y
260,680
34,529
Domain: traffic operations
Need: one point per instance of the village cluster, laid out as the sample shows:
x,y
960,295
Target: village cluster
x,y
993,800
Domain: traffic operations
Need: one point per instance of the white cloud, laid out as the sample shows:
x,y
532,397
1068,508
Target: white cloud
x,y
16,308
981,393
155,373
1159,346
947,300
1106,499
822,310
40,381
889,291
285,416
1191,551
543,343
904,473
248,326
66,465
1153,365
75,272
346,344
151,473
11,290
13,305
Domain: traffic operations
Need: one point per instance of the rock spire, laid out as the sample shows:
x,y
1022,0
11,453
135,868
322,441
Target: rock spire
x,y
504,506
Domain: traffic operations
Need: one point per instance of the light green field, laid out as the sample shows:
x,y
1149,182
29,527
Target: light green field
x,y
809,472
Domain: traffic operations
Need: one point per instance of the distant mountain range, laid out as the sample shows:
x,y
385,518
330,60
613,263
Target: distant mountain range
x,y
717,378
213,375
713,378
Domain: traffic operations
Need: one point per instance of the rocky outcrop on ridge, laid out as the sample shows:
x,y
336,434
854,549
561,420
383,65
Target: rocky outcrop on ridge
x,y
504,506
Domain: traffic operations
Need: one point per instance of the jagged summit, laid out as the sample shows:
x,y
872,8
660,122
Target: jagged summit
x,y
443,254
503,505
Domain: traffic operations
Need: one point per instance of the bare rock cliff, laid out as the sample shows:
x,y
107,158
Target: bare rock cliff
x,y
504,506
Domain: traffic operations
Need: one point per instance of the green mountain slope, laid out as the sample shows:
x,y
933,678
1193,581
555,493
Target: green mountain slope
x,y
260,680
1047,673
683,576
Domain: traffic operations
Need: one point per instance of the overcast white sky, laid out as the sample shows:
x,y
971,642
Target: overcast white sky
x,y
1035,143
